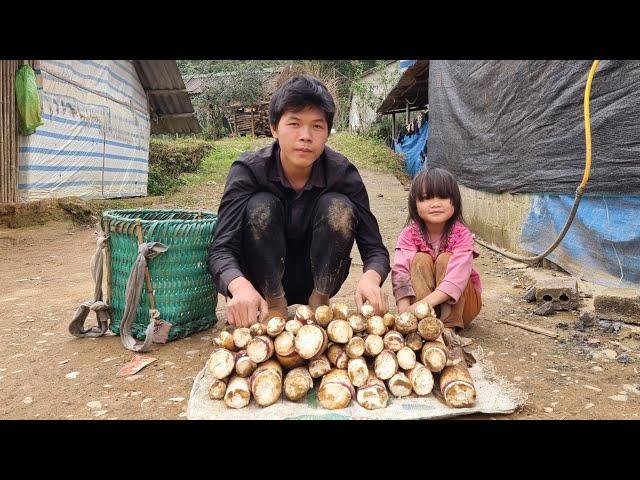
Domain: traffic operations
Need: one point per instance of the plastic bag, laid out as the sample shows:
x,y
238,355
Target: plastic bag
x,y
28,100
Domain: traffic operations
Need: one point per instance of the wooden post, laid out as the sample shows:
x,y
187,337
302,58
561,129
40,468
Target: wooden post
x,y
235,122
4,184
253,128
393,126
13,134
408,114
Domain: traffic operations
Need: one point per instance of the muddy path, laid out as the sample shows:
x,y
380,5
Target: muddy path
x,y
48,374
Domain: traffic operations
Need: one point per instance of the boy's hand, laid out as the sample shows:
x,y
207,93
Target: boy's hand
x,y
403,304
246,305
369,289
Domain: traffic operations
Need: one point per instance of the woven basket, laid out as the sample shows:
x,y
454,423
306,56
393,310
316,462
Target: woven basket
x,y
183,288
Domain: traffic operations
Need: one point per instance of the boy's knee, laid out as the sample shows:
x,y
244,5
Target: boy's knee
x,y
339,211
263,210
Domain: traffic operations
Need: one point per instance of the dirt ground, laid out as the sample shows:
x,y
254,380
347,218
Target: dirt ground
x,y
46,373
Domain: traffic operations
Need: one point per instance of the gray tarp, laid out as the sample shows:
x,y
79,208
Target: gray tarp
x,y
517,126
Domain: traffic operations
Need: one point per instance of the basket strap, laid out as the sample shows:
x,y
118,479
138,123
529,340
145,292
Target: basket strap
x,y
132,297
103,312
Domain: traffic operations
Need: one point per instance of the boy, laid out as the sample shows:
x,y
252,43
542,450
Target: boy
x,y
290,214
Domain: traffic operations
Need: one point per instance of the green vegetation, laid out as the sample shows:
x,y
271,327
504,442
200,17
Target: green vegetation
x,y
170,158
367,153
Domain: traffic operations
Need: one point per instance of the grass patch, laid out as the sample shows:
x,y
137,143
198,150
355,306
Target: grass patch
x,y
215,165
368,153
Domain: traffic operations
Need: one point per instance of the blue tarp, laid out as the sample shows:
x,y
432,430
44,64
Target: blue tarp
x,y
410,147
602,244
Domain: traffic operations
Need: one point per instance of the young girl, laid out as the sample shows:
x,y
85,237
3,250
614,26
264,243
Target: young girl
x,y
434,255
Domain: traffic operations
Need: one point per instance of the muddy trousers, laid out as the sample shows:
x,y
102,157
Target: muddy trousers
x,y
426,275
279,266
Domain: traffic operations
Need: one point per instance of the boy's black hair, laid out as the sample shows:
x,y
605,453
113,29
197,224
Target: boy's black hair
x,y
298,93
435,182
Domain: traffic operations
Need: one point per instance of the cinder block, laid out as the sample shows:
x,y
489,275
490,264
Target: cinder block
x,y
563,292
619,305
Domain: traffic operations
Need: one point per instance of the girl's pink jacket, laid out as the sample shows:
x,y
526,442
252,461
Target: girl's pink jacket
x,y
459,270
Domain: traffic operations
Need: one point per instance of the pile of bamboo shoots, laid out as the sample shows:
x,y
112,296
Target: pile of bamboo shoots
x,y
351,356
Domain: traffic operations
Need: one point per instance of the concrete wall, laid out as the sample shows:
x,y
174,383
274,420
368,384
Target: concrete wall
x,y
496,217
378,84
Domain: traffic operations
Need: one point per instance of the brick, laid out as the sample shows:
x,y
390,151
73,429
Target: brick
x,y
618,305
563,292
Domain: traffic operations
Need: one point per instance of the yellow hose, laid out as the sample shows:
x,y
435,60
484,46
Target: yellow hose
x,y
579,190
587,123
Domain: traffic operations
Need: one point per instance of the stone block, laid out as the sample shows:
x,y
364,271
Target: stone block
x,y
618,305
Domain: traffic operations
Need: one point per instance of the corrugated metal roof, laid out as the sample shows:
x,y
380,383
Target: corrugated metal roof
x,y
412,88
169,102
195,83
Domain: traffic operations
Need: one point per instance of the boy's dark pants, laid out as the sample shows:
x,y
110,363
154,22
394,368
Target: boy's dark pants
x,y
292,267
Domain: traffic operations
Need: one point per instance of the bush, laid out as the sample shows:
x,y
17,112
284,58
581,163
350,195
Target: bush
x,y
170,158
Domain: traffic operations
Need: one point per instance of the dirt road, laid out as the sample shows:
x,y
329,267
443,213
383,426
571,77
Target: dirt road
x,y
47,373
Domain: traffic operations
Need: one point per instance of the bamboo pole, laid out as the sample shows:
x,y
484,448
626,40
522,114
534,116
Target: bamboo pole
x,y
12,140
3,130
6,128
539,330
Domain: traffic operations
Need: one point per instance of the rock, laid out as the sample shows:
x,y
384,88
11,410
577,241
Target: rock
x,y
517,379
597,368
94,404
588,406
99,413
618,304
588,318
548,409
627,388
182,414
176,399
27,400
72,375
133,378
624,358
530,295
147,400
545,309
595,389
618,398
607,354
192,352
593,341
63,362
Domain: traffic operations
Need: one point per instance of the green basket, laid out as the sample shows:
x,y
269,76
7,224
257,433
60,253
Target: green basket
x,y
184,290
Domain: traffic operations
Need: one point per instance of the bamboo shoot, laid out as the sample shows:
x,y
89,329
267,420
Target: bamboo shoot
x,y
456,383
336,390
260,348
297,383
